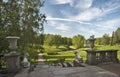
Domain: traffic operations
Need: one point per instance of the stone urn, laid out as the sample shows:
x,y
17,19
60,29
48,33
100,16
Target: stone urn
x,y
12,58
91,40
12,42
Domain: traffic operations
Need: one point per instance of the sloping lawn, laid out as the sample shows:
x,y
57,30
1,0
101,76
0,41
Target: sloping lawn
x,y
69,55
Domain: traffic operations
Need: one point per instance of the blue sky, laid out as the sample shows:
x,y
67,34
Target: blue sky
x,y
84,17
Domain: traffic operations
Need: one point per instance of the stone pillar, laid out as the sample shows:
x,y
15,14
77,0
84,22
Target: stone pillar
x,y
12,62
12,58
91,57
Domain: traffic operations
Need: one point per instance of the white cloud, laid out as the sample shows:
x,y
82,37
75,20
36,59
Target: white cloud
x,y
93,32
52,23
60,19
63,27
61,1
110,6
88,14
83,13
109,24
82,4
59,26
84,29
69,20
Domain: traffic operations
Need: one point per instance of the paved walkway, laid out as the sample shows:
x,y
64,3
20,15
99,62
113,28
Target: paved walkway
x,y
43,70
51,71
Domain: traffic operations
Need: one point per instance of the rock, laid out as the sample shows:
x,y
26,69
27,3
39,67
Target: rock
x,y
64,64
70,64
77,63
59,64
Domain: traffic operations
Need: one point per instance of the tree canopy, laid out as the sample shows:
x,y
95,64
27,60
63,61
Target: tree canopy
x,y
78,41
21,18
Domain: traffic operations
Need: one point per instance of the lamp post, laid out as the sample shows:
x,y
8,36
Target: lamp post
x,y
91,40
12,58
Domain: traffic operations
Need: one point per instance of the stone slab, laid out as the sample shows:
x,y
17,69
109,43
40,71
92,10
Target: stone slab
x,y
51,71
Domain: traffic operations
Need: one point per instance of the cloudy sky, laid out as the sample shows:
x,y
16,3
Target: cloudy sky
x,y
84,17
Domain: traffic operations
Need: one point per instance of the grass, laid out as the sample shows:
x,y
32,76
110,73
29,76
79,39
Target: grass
x,y
69,55
54,49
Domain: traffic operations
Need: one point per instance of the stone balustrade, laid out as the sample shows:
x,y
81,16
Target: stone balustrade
x,y
100,56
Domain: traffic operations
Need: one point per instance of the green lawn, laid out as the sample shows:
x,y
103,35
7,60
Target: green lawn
x,y
69,55
54,49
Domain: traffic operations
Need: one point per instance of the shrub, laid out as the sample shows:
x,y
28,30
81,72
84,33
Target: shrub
x,y
52,53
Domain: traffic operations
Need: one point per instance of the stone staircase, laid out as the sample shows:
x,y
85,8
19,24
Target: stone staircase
x,y
40,59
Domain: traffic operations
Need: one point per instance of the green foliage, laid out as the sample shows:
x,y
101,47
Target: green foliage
x,y
78,41
106,39
56,40
66,41
52,53
115,39
117,35
22,18
54,49
48,40
98,41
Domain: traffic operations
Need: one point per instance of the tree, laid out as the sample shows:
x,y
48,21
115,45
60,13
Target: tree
x,y
99,41
10,17
21,18
115,39
49,39
66,41
106,39
57,40
117,36
78,41
31,20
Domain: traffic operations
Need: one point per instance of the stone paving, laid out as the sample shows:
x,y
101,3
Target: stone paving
x,y
43,70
